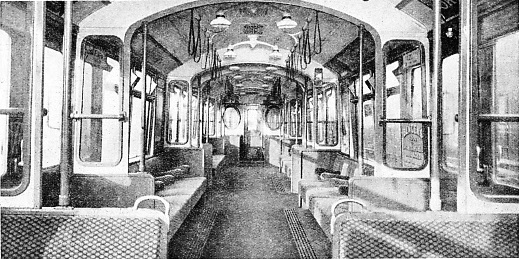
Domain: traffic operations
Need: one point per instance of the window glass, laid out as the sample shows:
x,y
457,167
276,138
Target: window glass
x,y
499,143
195,117
15,92
326,115
273,118
369,129
310,118
178,113
136,114
101,138
231,117
405,143
450,88
346,123
294,119
52,103
210,114
5,93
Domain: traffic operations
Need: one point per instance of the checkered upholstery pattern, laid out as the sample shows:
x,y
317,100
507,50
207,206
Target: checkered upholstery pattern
x,y
426,235
63,235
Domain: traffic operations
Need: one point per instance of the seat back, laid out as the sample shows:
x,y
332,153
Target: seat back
x,y
84,233
425,235
401,194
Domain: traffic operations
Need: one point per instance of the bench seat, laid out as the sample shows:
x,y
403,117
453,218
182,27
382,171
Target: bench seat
x,y
311,188
398,194
182,196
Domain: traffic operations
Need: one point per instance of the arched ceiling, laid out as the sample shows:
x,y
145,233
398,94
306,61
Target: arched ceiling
x,y
172,31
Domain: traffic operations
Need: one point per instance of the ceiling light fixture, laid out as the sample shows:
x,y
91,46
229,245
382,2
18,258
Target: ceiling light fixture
x,y
220,22
286,22
230,54
275,55
252,43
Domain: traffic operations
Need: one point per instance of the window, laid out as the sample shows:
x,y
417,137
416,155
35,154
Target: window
x,y
273,117
9,164
178,124
326,115
310,118
498,116
101,138
345,117
195,118
231,117
294,119
210,115
450,88
136,114
405,130
15,92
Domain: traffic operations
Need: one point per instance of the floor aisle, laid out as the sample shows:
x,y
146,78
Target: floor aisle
x,y
247,203
251,222
242,216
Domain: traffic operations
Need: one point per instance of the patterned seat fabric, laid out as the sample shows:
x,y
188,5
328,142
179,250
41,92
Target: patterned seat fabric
x,y
426,235
72,234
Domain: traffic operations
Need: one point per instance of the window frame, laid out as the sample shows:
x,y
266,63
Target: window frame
x,y
407,81
23,41
183,86
121,117
324,107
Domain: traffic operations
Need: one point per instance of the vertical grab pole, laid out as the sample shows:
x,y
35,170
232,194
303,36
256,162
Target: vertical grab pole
x,y
189,106
36,94
360,106
338,113
314,112
142,162
66,128
435,202
304,115
297,117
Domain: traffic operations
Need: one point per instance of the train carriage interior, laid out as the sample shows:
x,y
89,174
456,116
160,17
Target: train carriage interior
x,y
259,129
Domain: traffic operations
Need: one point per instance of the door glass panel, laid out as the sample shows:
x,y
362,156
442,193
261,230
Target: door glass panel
x,y
52,99
450,88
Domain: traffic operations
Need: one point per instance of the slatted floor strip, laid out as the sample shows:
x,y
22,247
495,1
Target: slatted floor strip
x,y
304,248
203,227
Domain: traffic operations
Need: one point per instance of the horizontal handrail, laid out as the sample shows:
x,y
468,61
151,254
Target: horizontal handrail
x,y
80,116
157,198
498,117
339,202
12,111
423,121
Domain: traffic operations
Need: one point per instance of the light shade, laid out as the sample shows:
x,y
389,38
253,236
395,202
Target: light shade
x,y
286,22
275,55
229,54
220,22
